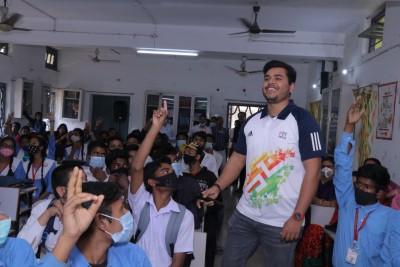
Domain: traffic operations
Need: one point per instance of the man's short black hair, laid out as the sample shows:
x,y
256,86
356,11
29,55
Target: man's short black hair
x,y
111,193
95,143
376,173
290,71
201,134
115,154
375,160
149,171
60,176
329,158
162,149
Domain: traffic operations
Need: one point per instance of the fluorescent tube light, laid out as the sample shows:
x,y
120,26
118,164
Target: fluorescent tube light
x,y
170,52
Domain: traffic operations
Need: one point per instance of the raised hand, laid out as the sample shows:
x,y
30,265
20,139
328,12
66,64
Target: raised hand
x,y
10,117
50,116
99,122
355,111
160,115
76,219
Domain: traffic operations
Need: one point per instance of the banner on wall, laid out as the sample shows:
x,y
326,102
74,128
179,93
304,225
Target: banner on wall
x,y
386,110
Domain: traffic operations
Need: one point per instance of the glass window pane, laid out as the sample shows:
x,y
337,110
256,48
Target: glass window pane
x,y
185,104
171,105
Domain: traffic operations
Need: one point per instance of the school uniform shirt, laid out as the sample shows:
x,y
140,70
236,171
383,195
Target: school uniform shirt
x,y
275,149
153,239
371,236
77,154
22,155
391,250
118,255
90,177
33,231
16,252
35,174
16,168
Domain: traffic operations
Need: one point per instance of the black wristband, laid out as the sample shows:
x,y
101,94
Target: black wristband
x,y
218,186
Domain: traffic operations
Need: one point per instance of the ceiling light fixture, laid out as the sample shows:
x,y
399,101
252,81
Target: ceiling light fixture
x,y
168,52
314,86
347,71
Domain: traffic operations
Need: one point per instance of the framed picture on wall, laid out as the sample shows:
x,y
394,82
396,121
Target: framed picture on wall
x,y
386,110
72,104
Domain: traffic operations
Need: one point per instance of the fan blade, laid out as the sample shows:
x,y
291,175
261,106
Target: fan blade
x,y
255,71
13,19
232,69
246,22
276,31
239,32
21,29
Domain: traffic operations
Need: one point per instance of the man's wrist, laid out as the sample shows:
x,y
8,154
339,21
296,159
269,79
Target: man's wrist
x,y
218,186
298,216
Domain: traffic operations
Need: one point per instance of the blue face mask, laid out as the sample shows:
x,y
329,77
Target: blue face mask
x,y
176,166
97,162
208,145
180,142
5,226
126,233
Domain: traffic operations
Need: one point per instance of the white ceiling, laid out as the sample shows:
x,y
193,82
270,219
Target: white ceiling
x,y
191,24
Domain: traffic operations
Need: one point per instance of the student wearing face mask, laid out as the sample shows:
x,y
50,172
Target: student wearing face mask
x,y
10,165
97,228
77,150
151,200
13,251
325,195
363,221
95,168
39,167
202,126
44,225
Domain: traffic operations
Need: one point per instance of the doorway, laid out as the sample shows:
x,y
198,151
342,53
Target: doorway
x,y
235,108
114,110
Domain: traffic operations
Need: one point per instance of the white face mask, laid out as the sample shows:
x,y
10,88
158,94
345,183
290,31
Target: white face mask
x,y
75,138
327,172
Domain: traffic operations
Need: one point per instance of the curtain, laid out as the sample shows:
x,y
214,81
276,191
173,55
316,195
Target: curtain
x,y
315,110
369,100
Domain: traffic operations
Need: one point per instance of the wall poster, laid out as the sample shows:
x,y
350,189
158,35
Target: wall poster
x,y
386,110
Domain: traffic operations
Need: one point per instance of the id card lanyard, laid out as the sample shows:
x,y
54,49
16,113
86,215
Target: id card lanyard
x,y
361,226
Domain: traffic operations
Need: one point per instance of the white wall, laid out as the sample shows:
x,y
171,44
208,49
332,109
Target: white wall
x,y
135,75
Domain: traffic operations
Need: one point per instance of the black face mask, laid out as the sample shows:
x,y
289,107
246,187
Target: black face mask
x,y
33,149
364,198
188,159
121,170
170,180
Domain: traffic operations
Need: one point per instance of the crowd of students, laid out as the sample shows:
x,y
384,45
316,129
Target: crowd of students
x,y
157,187
105,201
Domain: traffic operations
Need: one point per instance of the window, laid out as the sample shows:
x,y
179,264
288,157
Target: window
x,y
330,116
3,49
51,58
374,33
72,101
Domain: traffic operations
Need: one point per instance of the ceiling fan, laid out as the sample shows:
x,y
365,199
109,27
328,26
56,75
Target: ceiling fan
x,y
96,58
253,28
242,68
7,24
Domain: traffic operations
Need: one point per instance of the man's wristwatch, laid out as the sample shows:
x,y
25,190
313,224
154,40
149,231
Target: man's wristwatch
x,y
298,216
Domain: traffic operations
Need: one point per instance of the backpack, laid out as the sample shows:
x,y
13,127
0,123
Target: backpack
x,y
173,226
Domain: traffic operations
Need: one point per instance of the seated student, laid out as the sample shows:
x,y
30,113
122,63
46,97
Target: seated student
x,y
209,148
115,142
209,160
96,170
362,224
77,150
181,139
13,251
132,151
44,225
99,224
134,138
22,150
10,165
150,190
193,157
39,168
117,169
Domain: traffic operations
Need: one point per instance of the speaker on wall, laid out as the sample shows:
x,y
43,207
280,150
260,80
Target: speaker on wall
x,y
120,111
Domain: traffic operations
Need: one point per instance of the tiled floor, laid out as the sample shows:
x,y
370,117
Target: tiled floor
x,y
230,202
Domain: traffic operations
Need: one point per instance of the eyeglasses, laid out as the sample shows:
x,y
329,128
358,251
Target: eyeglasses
x,y
363,185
